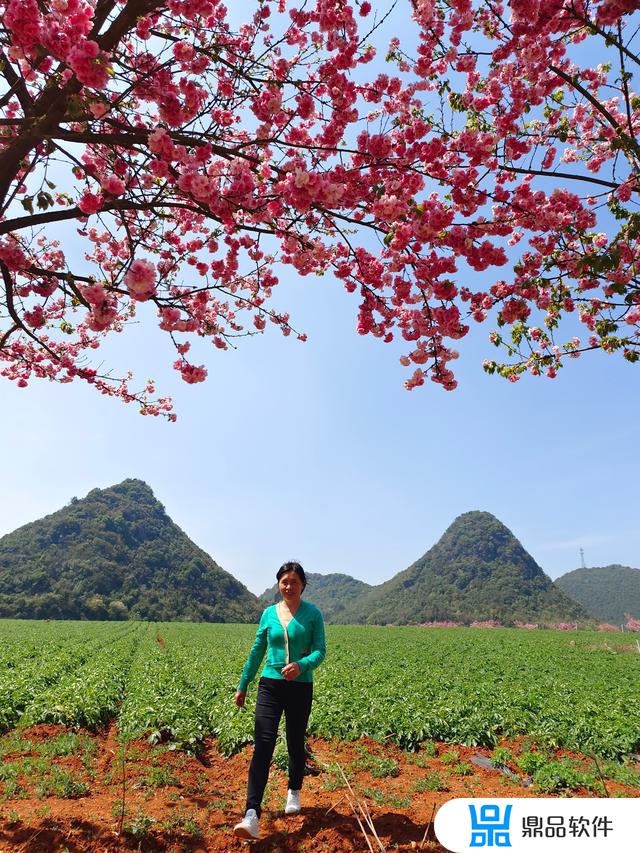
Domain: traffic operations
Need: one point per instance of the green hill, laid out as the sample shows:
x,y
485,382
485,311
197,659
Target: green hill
x,y
115,554
334,594
477,571
609,592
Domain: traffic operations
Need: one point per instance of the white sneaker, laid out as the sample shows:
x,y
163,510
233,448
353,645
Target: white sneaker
x,y
249,826
293,802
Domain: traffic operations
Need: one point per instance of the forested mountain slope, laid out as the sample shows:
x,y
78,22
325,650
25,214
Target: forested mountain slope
x,y
115,554
477,571
609,592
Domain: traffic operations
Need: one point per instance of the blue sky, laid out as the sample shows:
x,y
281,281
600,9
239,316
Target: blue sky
x,y
315,451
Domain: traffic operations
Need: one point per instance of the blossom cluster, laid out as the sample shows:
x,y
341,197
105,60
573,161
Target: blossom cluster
x,y
632,623
478,181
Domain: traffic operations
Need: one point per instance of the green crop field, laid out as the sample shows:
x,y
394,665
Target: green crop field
x,y
577,690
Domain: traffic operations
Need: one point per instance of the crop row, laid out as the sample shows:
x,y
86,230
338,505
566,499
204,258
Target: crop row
x,y
475,686
182,683
91,694
57,657
407,685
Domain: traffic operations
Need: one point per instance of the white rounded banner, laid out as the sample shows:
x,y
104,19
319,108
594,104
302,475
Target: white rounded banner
x,y
529,825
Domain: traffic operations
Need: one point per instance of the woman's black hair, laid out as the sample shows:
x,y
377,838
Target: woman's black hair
x,y
292,566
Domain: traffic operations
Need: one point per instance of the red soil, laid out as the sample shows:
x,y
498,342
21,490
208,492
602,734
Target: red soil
x,y
176,802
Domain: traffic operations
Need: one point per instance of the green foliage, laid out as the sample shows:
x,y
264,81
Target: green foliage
x,y
429,749
381,767
115,555
140,825
159,777
332,779
431,782
184,822
26,674
552,776
625,773
14,742
407,686
10,787
280,754
609,592
51,780
61,783
378,797
474,687
90,694
376,765
501,757
66,743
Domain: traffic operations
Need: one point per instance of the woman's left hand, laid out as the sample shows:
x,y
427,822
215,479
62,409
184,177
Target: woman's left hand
x,y
290,671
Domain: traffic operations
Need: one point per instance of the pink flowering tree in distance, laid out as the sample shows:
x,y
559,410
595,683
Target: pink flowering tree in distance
x,y
488,168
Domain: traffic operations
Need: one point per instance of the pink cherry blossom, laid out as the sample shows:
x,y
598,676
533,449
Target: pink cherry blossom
x,y
89,63
141,280
36,317
190,373
482,169
113,185
90,202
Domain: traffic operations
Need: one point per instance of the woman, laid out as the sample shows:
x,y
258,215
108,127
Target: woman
x,y
292,633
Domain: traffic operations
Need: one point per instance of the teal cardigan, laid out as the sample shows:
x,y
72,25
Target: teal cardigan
x,y
306,645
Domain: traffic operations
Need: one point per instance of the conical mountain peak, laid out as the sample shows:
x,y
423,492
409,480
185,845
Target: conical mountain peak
x,y
116,554
476,545
476,571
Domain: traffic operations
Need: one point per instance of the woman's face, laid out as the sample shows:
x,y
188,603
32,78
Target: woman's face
x,y
290,586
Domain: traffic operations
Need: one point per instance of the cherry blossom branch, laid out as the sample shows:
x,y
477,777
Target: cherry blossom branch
x,y
625,86
35,219
8,286
606,35
568,175
187,149
133,10
5,337
17,86
575,84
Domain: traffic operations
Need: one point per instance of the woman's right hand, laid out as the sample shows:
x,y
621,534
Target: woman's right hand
x,y
240,697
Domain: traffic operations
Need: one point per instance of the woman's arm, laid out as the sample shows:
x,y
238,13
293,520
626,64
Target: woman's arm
x,y
318,645
256,654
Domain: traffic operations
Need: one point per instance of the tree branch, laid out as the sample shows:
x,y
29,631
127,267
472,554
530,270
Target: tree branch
x,y
7,335
131,12
625,85
608,38
17,86
611,184
14,314
573,82
102,12
133,138
75,213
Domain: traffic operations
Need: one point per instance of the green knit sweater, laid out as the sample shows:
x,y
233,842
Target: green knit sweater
x,y
304,642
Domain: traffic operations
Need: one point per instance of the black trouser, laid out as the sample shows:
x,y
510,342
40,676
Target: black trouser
x,y
274,697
